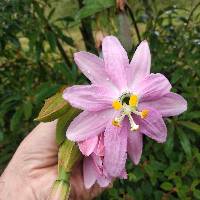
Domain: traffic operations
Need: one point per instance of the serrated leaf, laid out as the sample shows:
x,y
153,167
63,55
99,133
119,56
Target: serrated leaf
x,y
68,155
166,186
63,123
53,108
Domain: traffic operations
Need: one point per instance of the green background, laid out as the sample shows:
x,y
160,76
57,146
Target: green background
x,y
37,42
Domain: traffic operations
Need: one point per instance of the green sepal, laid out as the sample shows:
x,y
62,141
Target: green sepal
x,y
63,123
53,108
68,155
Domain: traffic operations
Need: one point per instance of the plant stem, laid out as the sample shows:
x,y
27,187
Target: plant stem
x,y
86,31
134,22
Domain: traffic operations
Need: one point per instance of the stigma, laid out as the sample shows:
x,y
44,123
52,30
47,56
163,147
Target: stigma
x,y
127,104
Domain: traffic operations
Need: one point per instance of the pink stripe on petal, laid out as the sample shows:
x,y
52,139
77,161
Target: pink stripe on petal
x,y
89,173
88,124
87,146
116,60
170,104
115,141
89,97
140,64
135,145
153,126
152,87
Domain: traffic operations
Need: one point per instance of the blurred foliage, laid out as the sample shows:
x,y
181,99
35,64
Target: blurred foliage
x,y
37,41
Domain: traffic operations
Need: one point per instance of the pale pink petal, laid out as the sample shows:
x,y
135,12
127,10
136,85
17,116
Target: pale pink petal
x,y
170,104
103,181
98,163
89,173
140,64
99,150
88,124
93,68
89,97
116,60
153,126
152,87
135,145
115,141
87,146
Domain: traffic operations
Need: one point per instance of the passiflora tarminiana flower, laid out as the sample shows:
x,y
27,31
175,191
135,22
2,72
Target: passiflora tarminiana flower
x,y
124,102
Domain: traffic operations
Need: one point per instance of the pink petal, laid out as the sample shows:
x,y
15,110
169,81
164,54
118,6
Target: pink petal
x,y
153,126
88,124
89,97
115,141
116,59
140,64
170,104
103,181
98,163
91,66
88,146
99,150
135,145
89,173
152,87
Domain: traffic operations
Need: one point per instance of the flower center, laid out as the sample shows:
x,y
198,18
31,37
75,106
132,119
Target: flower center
x,y
127,103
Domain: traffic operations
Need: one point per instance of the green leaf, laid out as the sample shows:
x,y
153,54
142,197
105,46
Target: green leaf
x,y
16,119
168,146
53,108
185,143
51,39
63,123
191,125
27,107
93,7
167,186
196,194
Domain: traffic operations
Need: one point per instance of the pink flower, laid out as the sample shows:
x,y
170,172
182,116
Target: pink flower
x,y
124,101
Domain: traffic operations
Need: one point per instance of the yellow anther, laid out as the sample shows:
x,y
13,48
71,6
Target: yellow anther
x,y
144,113
133,101
115,123
116,105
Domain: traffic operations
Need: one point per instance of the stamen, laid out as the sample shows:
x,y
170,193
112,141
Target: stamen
x,y
133,100
116,105
115,123
144,113
118,120
134,126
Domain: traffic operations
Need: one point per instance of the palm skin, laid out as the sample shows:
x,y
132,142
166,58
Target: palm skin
x,y
33,169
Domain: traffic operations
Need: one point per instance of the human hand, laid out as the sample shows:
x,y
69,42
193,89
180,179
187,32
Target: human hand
x,y
33,169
